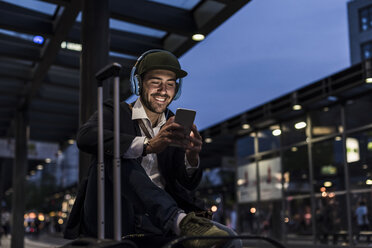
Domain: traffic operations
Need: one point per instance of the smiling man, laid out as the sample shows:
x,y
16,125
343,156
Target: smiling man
x,y
157,179
159,84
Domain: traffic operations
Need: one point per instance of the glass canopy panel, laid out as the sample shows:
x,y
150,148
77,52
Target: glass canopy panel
x,y
43,7
130,27
183,4
134,28
17,34
122,55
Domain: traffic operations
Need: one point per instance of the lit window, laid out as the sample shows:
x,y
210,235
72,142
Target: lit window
x,y
365,18
367,54
366,49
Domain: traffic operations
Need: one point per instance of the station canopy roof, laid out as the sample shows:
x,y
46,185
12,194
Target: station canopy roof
x,y
40,52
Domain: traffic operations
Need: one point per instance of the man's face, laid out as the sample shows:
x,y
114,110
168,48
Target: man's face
x,y
158,90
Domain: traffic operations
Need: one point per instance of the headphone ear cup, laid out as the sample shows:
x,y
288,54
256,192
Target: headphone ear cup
x,y
178,89
137,82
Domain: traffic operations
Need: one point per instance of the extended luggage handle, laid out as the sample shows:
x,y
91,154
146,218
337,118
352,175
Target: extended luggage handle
x,y
111,70
275,243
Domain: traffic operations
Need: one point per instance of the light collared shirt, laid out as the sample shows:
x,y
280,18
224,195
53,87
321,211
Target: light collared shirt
x,y
150,161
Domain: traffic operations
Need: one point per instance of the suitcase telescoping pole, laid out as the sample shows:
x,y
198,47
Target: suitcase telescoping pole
x,y
111,70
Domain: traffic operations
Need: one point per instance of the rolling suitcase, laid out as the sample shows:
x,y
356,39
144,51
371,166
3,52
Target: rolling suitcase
x,y
111,70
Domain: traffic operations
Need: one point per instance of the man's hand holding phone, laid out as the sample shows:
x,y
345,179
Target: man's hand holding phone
x,y
186,117
170,133
181,132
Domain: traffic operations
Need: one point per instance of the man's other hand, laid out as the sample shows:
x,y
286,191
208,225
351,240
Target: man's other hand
x,y
194,147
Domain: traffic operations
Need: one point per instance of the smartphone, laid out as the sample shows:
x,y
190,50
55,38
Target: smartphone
x,y
185,117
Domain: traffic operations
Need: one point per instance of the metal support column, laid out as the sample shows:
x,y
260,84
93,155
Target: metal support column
x,y
237,205
257,158
347,182
309,141
95,42
283,227
19,174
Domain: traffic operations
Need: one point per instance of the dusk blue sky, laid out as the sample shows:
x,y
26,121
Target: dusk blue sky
x,y
267,49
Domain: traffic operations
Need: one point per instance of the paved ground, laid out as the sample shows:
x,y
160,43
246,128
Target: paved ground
x,y
46,241
43,241
55,241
